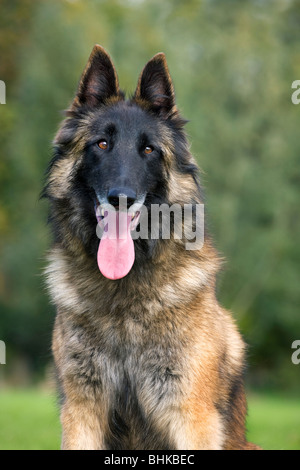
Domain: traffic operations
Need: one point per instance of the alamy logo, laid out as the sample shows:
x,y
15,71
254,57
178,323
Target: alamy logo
x,y
161,221
296,94
296,354
2,92
2,353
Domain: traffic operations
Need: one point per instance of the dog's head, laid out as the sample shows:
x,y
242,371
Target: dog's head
x,y
112,153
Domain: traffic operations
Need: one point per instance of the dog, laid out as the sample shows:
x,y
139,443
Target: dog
x,y
146,358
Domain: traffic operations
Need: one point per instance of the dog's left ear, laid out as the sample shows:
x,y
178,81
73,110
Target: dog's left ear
x,y
155,86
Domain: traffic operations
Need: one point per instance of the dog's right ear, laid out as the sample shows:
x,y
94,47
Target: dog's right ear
x,y
98,82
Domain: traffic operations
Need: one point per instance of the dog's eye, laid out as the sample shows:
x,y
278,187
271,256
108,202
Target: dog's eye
x,y
103,145
149,149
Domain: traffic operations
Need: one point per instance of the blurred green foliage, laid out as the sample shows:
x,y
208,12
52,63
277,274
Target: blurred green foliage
x,y
233,64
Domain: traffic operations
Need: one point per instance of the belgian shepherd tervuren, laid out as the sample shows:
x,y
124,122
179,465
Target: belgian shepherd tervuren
x,y
146,358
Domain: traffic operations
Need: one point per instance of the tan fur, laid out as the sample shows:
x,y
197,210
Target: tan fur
x,y
190,416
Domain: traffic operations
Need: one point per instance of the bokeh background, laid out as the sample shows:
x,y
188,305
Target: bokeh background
x,y
233,63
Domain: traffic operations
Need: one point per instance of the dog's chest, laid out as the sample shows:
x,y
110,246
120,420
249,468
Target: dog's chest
x,y
144,387
122,368
138,381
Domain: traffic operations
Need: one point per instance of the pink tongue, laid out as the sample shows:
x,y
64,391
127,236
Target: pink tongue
x,y
116,250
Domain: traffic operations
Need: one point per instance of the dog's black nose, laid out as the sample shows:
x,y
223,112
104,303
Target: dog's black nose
x,y
118,196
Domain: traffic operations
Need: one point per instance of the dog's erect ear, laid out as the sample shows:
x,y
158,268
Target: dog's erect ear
x,y
98,82
155,86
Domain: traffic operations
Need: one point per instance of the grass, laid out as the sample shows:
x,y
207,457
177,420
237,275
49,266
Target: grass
x,y
274,421
29,421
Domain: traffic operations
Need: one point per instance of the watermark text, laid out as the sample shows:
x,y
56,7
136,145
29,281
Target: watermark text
x,y
2,353
296,94
160,221
296,354
2,92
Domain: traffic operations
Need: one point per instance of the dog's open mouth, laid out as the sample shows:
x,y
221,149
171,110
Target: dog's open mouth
x,y
116,253
102,212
